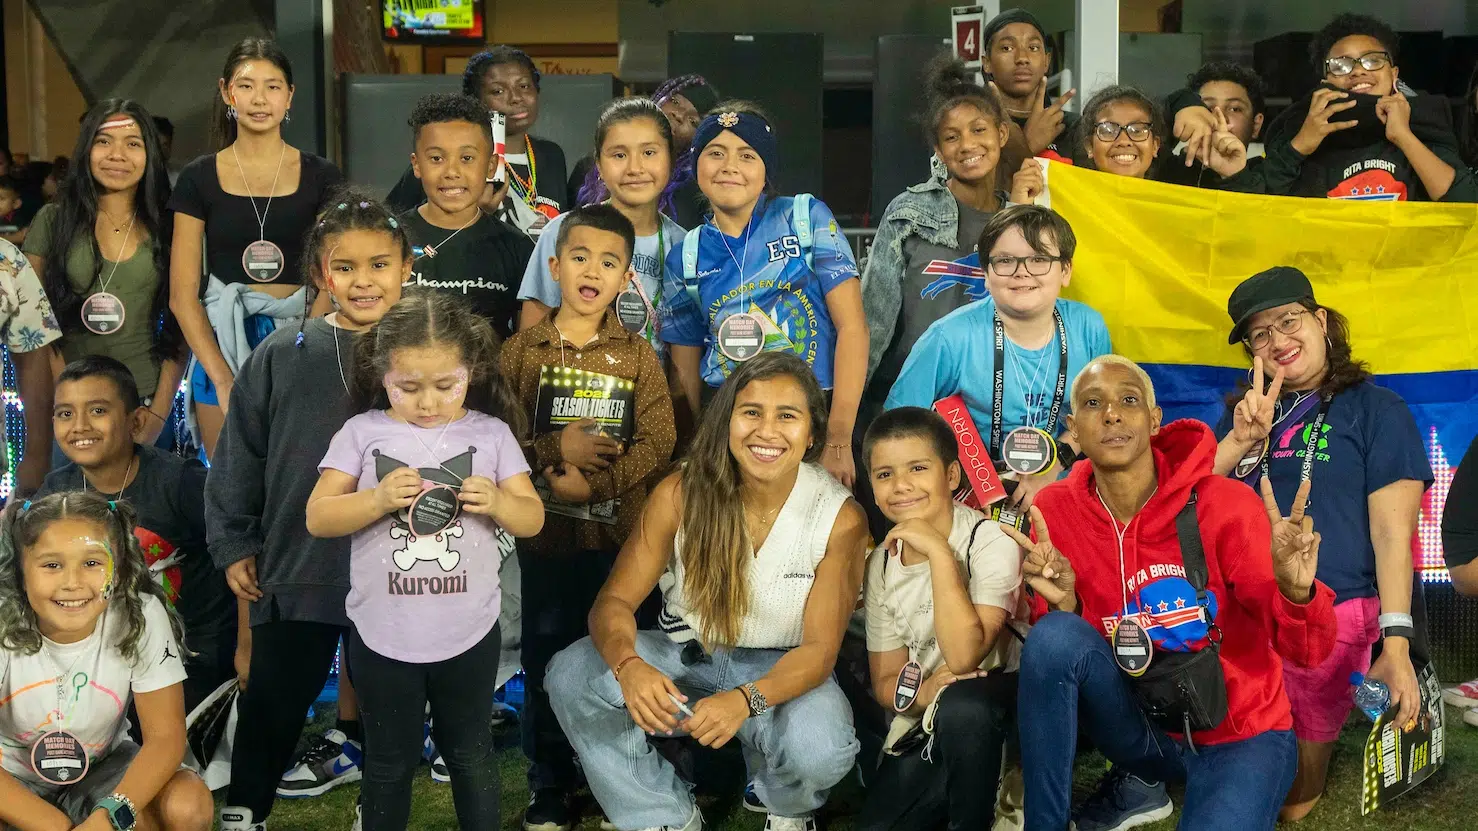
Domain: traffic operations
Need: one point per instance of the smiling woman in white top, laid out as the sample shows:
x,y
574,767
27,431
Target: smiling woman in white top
x,y
759,555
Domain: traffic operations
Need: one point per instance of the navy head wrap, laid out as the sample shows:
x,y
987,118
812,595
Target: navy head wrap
x,y
755,131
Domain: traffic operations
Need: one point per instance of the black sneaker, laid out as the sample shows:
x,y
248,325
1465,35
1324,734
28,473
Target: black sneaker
x,y
1123,801
549,810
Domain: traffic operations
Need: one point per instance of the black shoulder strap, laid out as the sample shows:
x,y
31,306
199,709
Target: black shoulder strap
x,y
1191,550
970,550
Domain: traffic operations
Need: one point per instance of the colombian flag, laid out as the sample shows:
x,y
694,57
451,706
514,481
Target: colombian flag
x,y
1158,262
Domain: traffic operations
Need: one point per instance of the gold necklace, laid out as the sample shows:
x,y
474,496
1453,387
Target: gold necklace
x,y
117,226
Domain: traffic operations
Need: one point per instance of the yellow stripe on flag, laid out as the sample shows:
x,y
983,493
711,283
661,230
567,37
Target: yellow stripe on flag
x,y
1158,262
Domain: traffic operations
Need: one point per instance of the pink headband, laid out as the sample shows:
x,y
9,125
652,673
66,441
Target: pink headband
x,y
118,122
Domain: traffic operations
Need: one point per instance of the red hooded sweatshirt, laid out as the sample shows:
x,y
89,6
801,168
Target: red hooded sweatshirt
x,y
1258,624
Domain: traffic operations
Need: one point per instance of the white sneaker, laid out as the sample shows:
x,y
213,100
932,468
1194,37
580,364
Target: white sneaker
x,y
240,819
694,823
1470,716
775,822
1463,696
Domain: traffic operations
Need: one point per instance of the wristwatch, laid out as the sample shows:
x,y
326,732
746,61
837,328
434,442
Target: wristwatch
x,y
121,813
758,706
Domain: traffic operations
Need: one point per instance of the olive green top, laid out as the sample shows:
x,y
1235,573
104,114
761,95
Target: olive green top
x,y
134,283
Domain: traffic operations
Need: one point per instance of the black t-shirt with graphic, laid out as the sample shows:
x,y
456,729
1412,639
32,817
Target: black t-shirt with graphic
x,y
168,494
483,263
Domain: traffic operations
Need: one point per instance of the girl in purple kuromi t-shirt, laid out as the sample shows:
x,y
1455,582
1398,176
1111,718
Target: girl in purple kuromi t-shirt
x,y
426,481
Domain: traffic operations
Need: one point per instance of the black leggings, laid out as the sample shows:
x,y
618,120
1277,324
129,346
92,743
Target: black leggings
x,y
392,708
956,786
290,662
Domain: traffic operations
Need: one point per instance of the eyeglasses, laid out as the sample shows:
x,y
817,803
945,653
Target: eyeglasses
x,y
1110,130
1371,61
1036,265
1288,324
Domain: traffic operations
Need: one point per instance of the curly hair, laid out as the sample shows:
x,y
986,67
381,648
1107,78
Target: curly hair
x,y
21,525
441,107
1347,25
479,64
1233,73
949,85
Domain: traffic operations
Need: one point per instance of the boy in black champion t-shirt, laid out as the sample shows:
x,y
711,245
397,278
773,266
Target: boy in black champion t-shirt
x,y
458,248
95,417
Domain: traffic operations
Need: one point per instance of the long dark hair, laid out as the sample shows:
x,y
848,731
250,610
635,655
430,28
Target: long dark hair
x,y
1344,370
620,111
715,552
76,217
247,49
1467,123
22,524
424,317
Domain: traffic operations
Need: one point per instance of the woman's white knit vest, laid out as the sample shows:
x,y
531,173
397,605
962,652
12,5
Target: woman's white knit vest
x,y
779,578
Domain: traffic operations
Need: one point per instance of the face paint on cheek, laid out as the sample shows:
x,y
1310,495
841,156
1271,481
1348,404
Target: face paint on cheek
x,y
108,562
459,389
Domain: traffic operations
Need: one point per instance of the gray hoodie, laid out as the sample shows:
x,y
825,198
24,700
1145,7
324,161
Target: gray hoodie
x,y
286,404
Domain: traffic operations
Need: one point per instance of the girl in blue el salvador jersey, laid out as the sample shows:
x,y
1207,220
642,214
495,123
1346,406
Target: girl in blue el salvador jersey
x,y
764,273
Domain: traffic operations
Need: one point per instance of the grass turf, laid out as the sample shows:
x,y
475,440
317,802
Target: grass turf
x,y
1447,802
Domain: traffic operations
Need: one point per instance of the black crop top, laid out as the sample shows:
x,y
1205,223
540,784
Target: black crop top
x,y
231,225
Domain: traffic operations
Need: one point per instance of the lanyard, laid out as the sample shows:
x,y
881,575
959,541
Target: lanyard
x,y
1316,432
999,377
654,302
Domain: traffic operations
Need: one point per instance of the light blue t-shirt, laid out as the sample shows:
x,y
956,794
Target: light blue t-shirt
x,y
956,354
648,261
778,286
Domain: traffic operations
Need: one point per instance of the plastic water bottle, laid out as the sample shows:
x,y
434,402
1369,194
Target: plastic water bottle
x,y
1371,696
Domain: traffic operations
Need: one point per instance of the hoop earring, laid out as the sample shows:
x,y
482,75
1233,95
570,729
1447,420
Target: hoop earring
x,y
231,112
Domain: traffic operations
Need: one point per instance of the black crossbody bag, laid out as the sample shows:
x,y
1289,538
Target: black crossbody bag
x,y
1183,692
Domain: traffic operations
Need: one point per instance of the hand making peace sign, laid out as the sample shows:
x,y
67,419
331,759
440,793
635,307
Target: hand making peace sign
x,y
1252,419
1295,543
1227,155
1046,570
1044,124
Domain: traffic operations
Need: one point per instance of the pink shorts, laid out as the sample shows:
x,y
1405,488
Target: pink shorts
x,y
1321,696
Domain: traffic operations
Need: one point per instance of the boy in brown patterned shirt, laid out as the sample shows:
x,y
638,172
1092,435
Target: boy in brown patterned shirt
x,y
603,430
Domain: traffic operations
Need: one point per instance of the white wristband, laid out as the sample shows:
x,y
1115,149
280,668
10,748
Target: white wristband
x,y
1390,619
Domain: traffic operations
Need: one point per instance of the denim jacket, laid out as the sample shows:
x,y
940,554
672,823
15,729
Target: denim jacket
x,y
928,210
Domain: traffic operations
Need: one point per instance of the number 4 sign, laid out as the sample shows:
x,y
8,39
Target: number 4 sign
x,y
966,25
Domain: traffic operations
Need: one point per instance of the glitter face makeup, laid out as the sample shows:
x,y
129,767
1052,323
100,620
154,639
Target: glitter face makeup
x,y
69,574
426,386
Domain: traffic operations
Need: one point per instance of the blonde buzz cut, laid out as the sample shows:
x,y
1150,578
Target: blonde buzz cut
x,y
1116,360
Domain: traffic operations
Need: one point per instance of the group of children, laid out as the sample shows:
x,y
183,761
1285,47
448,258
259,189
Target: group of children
x,y
477,373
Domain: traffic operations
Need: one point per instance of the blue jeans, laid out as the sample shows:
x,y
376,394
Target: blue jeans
x,y
800,749
1069,680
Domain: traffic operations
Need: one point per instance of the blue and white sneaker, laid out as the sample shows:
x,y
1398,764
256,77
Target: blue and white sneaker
x,y
439,773
752,801
1123,801
333,760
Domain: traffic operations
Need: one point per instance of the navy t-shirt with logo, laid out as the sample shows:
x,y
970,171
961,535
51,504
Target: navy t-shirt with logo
x,y
1368,441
